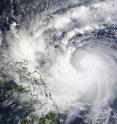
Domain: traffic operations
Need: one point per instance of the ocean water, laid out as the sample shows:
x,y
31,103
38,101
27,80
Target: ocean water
x,y
72,46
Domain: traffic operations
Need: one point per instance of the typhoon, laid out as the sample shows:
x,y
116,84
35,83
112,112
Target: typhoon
x,y
73,45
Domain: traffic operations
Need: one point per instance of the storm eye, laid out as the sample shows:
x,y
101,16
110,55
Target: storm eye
x,y
42,62
84,60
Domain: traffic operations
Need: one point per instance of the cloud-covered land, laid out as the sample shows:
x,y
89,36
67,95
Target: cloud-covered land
x,y
69,49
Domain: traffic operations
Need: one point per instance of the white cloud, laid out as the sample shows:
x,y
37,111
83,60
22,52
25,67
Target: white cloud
x,y
87,76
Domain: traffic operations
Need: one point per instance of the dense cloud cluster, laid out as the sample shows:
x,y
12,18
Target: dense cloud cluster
x,y
72,45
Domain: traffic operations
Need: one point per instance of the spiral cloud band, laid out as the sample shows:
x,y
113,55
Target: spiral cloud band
x,y
74,47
